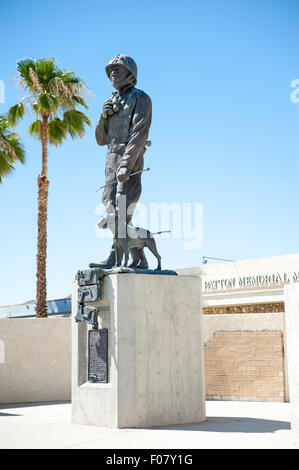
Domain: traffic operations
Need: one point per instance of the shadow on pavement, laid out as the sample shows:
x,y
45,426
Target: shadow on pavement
x,y
232,424
8,406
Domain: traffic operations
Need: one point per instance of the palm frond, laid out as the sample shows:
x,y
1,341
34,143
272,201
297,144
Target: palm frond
x,y
79,100
11,148
5,166
3,124
35,75
75,122
17,146
54,93
57,131
46,66
46,70
15,113
69,77
47,103
34,129
23,69
35,108
7,149
62,91
36,85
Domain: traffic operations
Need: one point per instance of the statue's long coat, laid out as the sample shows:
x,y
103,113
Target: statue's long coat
x,y
125,134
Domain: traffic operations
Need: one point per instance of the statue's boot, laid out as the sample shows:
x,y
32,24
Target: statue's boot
x,y
109,262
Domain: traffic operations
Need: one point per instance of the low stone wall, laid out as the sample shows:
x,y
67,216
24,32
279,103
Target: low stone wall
x,y
35,359
35,354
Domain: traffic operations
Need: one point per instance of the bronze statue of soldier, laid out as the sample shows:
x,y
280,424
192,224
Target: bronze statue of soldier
x,y
124,126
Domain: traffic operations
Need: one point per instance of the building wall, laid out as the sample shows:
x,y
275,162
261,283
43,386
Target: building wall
x,y
246,296
246,286
245,357
245,365
35,359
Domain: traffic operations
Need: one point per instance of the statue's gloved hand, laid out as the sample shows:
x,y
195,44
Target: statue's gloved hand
x,y
123,174
107,109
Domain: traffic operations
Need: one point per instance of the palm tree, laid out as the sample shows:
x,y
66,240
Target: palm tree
x,y
53,96
11,148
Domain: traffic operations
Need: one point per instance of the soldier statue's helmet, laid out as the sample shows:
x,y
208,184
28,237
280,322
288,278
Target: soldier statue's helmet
x,y
127,62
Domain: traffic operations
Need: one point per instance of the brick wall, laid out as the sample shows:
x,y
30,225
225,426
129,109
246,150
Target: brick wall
x,y
245,365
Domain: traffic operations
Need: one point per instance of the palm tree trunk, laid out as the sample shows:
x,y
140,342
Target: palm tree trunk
x,y
43,185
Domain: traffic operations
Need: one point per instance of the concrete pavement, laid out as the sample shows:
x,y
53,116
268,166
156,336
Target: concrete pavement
x,y
229,425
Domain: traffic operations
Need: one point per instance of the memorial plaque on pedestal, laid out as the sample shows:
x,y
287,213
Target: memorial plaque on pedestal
x,y
98,356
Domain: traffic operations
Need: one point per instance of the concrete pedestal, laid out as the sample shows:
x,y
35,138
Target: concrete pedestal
x,y
155,354
292,343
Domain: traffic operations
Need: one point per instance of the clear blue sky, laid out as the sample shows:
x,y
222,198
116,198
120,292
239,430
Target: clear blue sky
x,y
224,132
